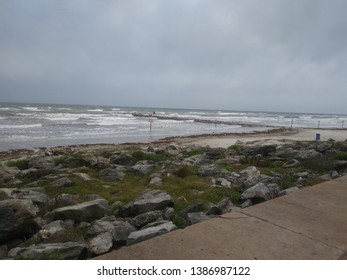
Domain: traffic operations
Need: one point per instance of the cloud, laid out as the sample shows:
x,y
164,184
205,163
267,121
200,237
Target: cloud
x,y
248,55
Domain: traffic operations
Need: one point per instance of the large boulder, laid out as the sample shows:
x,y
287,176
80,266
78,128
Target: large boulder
x,y
86,211
17,219
144,234
149,200
63,251
261,192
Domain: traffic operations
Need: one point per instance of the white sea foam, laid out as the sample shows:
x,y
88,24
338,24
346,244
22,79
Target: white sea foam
x,y
36,109
95,110
13,126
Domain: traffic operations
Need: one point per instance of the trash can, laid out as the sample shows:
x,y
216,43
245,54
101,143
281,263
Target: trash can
x,y
317,136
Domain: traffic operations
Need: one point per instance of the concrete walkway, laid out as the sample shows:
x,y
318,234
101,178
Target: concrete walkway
x,y
309,224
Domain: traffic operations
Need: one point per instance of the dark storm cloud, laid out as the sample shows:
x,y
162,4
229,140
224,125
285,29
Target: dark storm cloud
x,y
246,55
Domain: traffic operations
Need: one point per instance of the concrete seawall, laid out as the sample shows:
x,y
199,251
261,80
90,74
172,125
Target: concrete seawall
x,y
309,224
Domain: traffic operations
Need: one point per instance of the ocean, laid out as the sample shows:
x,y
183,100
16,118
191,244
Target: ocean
x,y
48,125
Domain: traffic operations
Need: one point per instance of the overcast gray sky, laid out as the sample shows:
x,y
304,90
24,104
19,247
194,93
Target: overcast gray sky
x,y
269,55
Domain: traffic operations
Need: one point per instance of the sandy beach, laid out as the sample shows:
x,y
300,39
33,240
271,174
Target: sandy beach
x,y
276,136
273,136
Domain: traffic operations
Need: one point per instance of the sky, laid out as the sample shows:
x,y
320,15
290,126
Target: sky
x,y
269,55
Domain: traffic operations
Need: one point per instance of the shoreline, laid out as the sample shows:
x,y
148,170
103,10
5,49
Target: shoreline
x,y
220,140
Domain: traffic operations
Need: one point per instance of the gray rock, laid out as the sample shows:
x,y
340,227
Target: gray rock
x,y
285,152
198,207
168,213
172,150
121,232
17,219
36,195
83,177
150,149
326,177
247,203
156,181
149,200
209,171
288,191
291,163
221,182
307,154
42,162
263,150
34,174
101,244
304,174
197,217
55,226
323,147
65,251
62,183
64,199
143,219
250,176
8,174
334,174
330,176
86,211
114,174
100,163
154,224
74,162
195,160
249,171
142,167
221,207
215,153
261,191
144,234
101,226
122,159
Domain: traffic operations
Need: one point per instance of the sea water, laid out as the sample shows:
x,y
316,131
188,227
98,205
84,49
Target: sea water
x,y
47,125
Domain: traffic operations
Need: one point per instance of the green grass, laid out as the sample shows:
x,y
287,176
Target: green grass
x,y
235,147
124,191
340,156
20,164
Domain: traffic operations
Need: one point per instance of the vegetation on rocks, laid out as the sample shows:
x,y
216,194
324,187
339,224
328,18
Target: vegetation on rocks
x,y
72,198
